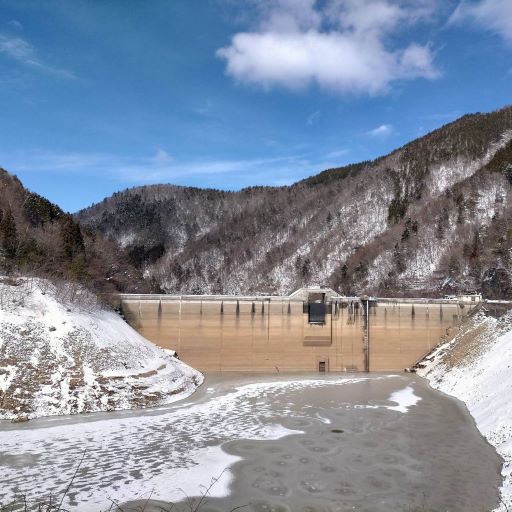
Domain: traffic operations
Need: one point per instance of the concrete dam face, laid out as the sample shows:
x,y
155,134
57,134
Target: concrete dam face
x,y
308,331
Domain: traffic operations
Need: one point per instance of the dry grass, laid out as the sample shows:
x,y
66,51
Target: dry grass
x,y
467,345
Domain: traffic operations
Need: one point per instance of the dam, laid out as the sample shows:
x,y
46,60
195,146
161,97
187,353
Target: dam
x,y
311,330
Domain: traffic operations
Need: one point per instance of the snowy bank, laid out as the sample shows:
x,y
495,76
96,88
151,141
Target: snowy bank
x,y
476,367
61,353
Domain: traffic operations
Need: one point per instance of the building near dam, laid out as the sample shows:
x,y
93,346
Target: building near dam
x,y
311,330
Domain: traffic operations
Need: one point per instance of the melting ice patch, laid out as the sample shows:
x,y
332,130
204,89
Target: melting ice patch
x,y
404,398
210,470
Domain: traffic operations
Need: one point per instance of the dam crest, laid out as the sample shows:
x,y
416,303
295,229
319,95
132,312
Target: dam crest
x,y
312,330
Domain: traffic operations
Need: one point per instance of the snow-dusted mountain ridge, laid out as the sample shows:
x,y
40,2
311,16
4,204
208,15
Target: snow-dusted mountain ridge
x,y
429,218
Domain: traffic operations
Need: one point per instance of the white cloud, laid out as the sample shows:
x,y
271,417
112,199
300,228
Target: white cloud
x,y
341,47
384,130
21,51
493,15
162,157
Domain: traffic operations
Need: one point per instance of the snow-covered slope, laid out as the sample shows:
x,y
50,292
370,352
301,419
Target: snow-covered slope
x,y
476,367
61,353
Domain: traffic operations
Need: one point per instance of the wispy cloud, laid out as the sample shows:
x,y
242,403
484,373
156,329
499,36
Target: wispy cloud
x,y
492,15
162,157
382,131
15,24
161,167
143,172
21,51
64,162
231,174
313,118
341,45
337,154
205,109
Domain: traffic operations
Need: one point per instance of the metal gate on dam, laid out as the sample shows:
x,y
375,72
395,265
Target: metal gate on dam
x,y
314,329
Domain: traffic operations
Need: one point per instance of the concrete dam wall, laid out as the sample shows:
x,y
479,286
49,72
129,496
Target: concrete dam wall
x,y
303,332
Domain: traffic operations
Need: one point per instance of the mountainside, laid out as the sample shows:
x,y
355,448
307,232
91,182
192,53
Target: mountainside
x,y
37,238
432,217
61,353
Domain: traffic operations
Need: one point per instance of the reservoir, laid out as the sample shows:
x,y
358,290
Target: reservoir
x,y
373,442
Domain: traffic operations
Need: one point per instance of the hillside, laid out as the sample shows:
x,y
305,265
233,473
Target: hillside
x,y
37,238
61,353
475,368
432,217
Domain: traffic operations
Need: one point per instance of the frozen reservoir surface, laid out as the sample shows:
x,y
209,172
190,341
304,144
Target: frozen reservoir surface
x,y
274,443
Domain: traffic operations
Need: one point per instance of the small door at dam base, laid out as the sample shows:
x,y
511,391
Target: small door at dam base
x,y
322,366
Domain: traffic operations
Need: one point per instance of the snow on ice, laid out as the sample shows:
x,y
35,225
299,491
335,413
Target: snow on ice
x,y
166,451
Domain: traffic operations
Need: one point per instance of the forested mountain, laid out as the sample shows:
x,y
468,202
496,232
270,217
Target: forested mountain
x,y
432,217
37,238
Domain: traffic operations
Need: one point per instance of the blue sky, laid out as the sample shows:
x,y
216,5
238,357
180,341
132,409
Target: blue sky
x,y
98,96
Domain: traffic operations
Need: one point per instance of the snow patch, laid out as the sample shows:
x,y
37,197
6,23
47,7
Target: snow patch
x,y
404,398
7,377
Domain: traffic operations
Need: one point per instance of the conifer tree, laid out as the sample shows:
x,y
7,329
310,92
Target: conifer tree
x,y
508,173
8,237
72,242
